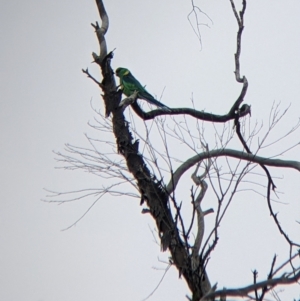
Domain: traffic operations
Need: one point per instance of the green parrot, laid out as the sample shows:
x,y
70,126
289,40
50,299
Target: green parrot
x,y
129,84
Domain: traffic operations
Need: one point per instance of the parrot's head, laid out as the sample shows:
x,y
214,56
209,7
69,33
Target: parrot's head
x,y
120,72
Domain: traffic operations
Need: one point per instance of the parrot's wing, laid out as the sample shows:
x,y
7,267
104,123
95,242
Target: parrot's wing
x,y
133,81
131,84
128,88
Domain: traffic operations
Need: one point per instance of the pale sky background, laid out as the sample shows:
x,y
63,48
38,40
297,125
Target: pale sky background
x,y
45,103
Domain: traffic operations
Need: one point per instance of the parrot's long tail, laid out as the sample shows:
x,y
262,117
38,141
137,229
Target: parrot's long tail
x,y
159,104
155,102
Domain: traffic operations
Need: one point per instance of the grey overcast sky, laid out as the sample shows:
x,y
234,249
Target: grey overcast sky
x,y
45,103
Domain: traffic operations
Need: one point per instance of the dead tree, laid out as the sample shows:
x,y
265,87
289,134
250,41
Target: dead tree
x,y
144,173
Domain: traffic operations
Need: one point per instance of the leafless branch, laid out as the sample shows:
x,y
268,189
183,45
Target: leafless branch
x,y
245,291
86,71
230,153
101,31
159,283
195,10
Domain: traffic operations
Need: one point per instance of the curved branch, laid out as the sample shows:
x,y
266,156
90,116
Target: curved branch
x,y
246,110
229,153
240,20
194,113
238,131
